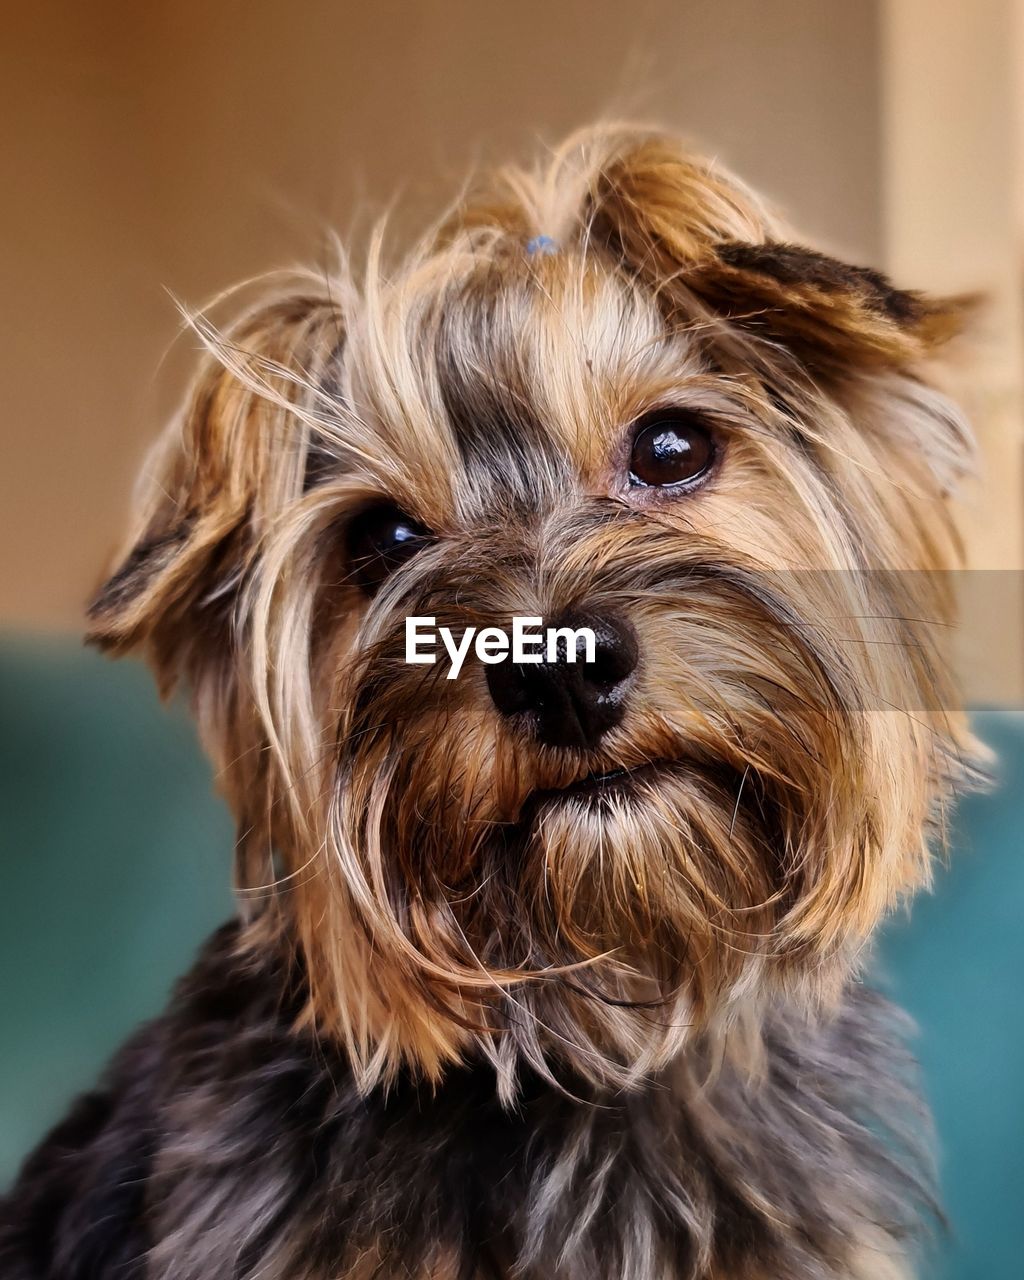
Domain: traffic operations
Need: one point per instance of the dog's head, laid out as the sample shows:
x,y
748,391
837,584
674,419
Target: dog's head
x,y
608,394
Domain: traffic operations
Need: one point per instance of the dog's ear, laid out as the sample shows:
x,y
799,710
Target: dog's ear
x,y
244,446
834,318
706,246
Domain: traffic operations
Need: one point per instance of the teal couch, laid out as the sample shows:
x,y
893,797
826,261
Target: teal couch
x,y
115,858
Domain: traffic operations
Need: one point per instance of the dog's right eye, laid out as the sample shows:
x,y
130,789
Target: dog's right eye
x,y
380,540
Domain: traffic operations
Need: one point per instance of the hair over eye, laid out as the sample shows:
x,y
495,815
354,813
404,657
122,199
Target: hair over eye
x,y
671,447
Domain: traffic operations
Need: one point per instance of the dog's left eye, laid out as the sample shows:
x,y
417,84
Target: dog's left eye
x,y
380,540
671,448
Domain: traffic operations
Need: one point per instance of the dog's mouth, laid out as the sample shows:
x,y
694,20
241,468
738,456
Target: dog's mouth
x,y
622,783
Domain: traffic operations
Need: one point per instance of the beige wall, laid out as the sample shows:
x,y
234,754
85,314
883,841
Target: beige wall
x,y
952,216
180,146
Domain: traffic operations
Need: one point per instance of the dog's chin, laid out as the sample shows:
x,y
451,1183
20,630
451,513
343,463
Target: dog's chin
x,y
604,795
624,815
656,850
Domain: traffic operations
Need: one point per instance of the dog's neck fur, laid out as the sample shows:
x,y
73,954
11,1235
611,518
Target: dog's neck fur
x,y
226,1143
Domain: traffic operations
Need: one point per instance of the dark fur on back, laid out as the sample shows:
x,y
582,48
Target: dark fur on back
x,y
223,1144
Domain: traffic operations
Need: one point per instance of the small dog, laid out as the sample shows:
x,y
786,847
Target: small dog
x,y
549,971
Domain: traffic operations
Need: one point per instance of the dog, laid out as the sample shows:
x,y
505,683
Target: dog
x,y
552,970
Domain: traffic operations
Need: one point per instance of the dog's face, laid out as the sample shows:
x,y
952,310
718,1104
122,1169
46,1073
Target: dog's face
x,y
714,449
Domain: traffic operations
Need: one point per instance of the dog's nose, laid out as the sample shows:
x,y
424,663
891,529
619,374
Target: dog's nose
x,y
572,703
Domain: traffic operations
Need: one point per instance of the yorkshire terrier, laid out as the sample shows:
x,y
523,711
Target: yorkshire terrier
x,y
552,970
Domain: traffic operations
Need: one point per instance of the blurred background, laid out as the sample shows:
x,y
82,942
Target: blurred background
x,y
176,147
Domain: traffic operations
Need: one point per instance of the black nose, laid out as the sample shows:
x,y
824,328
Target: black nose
x,y
571,703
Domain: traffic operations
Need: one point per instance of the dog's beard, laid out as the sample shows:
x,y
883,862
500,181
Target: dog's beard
x,y
594,924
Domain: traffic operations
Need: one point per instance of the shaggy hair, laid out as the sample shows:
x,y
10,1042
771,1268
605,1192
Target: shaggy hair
x,y
495,1007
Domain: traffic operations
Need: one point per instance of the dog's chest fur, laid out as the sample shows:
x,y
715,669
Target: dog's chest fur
x,y
223,1144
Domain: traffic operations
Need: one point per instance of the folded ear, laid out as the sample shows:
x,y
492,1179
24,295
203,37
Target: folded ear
x,y
833,317
706,246
239,452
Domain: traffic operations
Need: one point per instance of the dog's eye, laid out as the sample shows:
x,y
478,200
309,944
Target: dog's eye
x,y
380,540
670,448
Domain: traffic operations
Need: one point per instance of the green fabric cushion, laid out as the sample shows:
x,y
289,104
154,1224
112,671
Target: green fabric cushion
x,y
957,965
116,862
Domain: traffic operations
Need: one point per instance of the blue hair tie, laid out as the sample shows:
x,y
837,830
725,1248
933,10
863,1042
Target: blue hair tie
x,y
541,244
